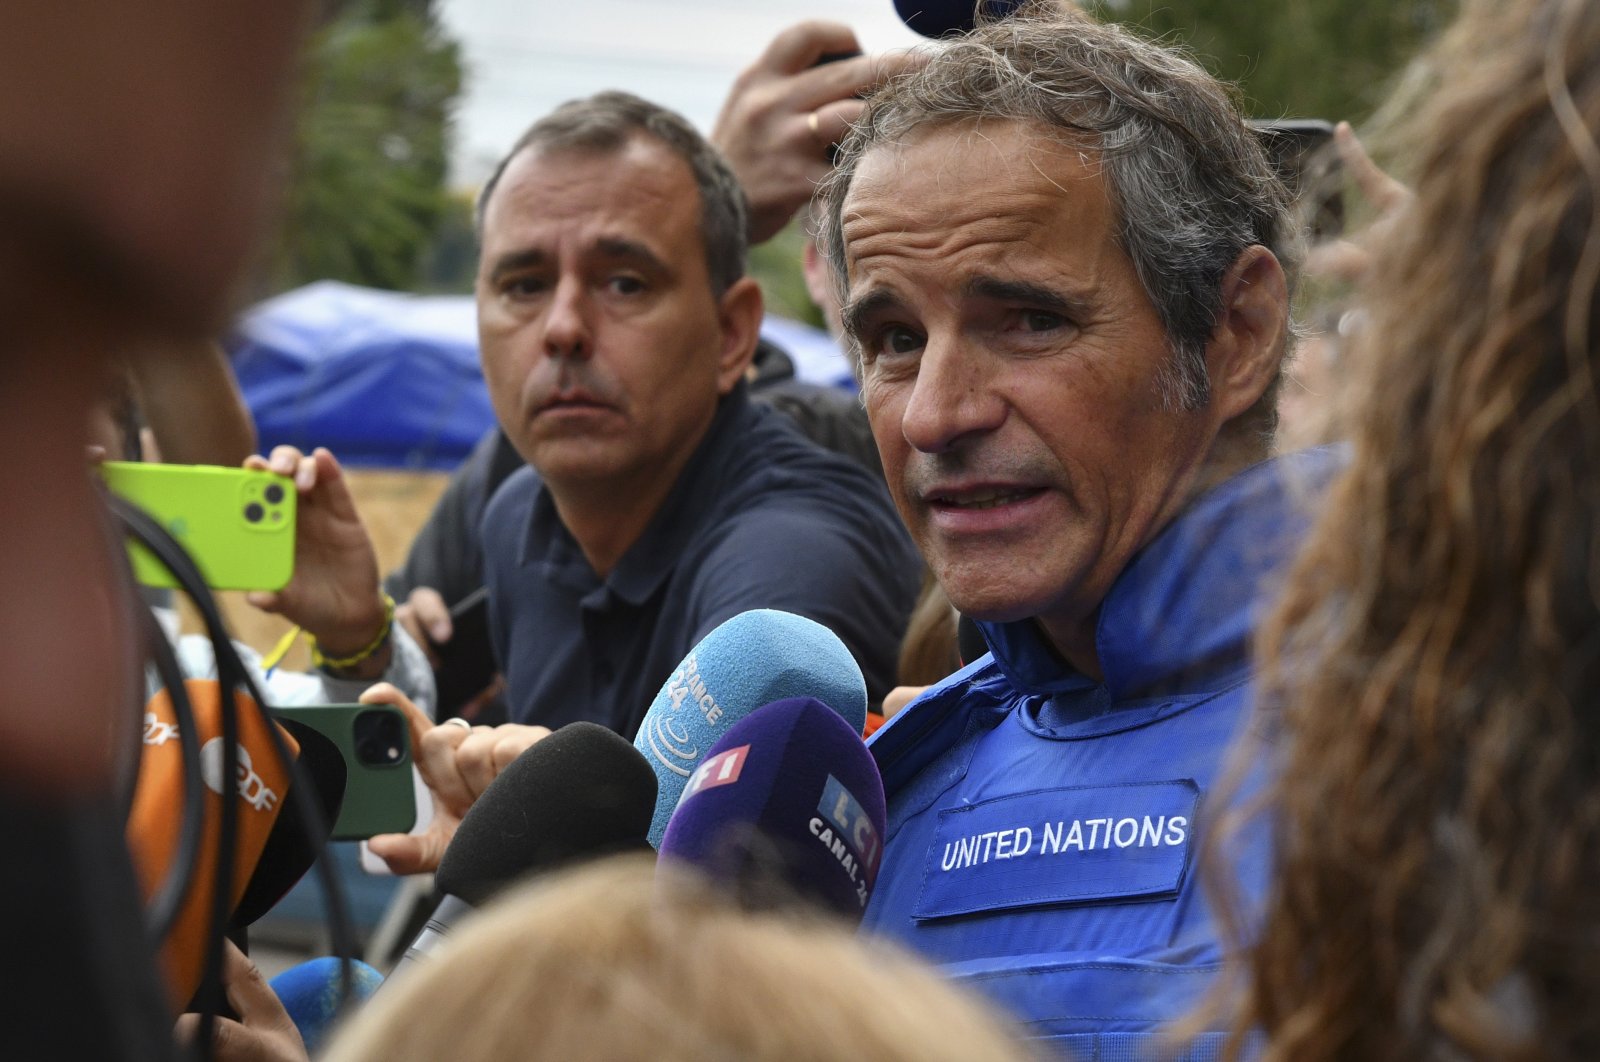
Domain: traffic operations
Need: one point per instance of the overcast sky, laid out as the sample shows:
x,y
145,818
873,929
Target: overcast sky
x,y
525,56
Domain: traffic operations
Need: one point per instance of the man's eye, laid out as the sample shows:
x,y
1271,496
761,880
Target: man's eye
x,y
899,341
625,285
1041,321
522,287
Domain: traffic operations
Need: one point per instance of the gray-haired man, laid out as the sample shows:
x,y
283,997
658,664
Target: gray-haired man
x,y
1064,262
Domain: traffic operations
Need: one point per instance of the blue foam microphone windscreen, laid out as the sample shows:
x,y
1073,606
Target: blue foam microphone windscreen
x,y
942,18
312,994
788,797
753,659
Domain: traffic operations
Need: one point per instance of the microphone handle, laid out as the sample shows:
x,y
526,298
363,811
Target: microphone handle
x,y
451,910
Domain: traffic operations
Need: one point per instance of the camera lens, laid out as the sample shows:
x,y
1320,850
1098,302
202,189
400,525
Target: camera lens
x,y
254,512
379,738
274,493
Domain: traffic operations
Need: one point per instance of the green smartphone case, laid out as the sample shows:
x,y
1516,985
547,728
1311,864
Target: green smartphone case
x,y
376,745
237,524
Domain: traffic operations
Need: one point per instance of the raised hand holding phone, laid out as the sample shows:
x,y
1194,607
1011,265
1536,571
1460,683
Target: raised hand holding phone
x,y
457,762
335,595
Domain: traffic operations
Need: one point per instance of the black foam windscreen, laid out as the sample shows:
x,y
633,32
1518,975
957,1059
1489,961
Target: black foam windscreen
x,y
582,792
942,18
291,849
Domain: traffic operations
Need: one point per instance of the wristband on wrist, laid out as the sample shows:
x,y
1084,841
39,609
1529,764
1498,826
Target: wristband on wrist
x,y
345,663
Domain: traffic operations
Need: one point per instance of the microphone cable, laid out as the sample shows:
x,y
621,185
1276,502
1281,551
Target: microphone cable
x,y
232,675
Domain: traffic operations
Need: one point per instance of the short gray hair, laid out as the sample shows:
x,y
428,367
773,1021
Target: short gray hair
x,y
1190,181
606,122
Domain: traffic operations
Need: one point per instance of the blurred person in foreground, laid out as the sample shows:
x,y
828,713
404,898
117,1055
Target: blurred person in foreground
x,y
1433,666
622,961
135,172
1065,264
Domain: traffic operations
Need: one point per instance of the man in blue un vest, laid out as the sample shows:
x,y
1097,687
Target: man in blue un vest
x,y
1065,265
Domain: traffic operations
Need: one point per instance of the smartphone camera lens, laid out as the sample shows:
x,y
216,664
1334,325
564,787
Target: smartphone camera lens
x,y
379,738
254,512
274,493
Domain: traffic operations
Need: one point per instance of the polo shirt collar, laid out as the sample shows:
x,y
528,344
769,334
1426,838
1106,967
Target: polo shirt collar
x,y
648,562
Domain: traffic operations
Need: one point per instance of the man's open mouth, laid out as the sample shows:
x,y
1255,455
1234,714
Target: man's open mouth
x,y
982,498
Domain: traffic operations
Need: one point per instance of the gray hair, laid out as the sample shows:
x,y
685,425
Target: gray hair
x,y
606,122
1189,180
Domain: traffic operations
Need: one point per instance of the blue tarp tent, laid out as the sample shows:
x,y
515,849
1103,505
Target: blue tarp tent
x,y
392,380
380,378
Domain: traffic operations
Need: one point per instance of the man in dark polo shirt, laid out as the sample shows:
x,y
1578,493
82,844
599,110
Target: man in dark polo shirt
x,y
616,326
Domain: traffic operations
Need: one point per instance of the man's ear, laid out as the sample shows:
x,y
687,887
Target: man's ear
x,y
1247,346
818,284
739,313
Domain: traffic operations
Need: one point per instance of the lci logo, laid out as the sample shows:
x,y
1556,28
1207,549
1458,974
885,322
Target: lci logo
x,y
842,818
252,787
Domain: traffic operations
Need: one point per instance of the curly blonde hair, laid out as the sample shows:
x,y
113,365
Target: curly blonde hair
x,y
1435,662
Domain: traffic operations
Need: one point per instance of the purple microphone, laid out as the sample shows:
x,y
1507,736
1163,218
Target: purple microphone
x,y
787,803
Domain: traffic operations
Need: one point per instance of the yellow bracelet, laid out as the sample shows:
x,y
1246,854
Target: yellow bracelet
x,y
345,663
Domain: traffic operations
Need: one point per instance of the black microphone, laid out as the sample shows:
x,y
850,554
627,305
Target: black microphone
x,y
942,18
581,793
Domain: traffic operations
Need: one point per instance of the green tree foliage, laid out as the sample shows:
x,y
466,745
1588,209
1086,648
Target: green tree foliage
x,y
367,188
1332,59
776,265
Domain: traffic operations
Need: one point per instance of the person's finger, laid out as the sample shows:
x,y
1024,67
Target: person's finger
x,y
433,749
229,1039
514,742
417,721
265,600
185,1029
266,1033
475,759
326,470
406,853
333,489
803,44
407,617
1380,189
249,994
256,463
834,120
431,611
849,78
284,460
305,474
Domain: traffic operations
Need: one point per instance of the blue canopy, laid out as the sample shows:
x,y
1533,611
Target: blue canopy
x,y
380,378
390,380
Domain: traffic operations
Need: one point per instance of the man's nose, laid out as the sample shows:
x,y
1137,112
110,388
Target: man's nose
x,y
567,331
952,397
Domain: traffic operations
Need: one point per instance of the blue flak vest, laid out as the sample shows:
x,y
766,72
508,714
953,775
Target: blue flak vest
x,y
1042,837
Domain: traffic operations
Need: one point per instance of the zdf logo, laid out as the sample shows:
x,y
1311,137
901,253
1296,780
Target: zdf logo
x,y
252,787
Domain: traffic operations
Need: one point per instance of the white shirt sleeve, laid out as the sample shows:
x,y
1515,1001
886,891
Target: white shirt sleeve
x,y
408,671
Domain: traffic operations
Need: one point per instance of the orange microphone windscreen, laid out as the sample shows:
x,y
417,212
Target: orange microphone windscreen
x,y
155,824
